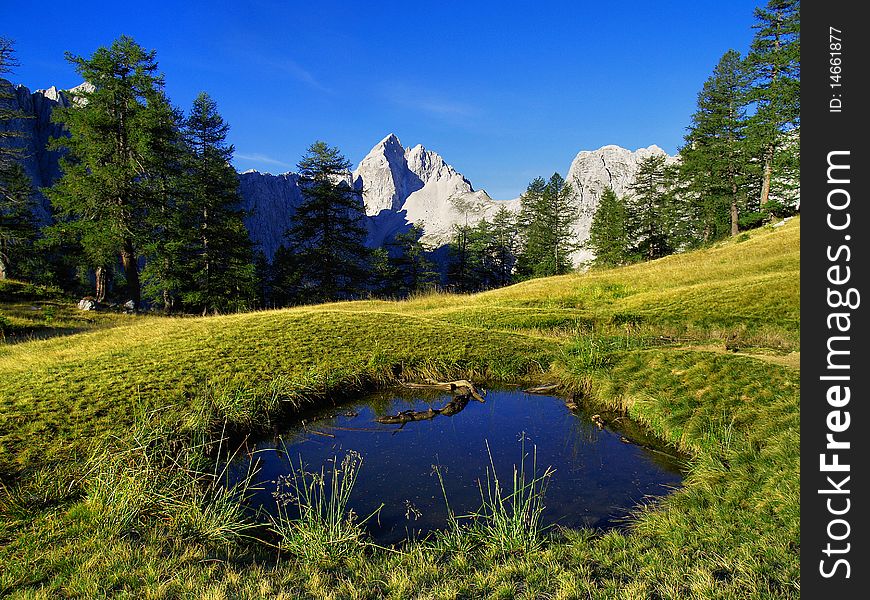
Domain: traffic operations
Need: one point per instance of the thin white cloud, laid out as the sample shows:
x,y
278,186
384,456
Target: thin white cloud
x,y
296,71
426,101
446,108
283,66
261,159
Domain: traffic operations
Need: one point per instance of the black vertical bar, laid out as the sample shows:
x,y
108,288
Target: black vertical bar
x,y
834,231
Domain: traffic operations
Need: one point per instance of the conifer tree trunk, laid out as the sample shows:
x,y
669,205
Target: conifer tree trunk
x,y
734,198
733,208
206,259
768,172
557,268
769,151
4,267
131,272
168,298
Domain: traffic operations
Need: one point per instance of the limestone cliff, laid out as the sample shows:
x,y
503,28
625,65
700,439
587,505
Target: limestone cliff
x,y
592,171
31,134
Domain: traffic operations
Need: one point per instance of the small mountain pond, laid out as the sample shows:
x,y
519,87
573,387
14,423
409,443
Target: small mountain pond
x,y
598,477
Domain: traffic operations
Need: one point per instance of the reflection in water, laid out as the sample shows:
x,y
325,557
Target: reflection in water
x,y
598,477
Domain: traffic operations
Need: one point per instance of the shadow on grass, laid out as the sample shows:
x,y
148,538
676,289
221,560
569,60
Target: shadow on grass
x,y
41,332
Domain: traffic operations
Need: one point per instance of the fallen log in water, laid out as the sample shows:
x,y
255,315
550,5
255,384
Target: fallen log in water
x,y
406,416
460,387
454,406
649,448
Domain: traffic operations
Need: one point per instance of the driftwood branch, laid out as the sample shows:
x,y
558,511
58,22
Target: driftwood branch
x,y
406,416
463,391
460,387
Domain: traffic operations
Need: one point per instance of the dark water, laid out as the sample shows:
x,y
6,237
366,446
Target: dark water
x,y
598,477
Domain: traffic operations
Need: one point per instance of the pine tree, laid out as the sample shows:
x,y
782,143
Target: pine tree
x,y
547,214
18,229
461,275
460,262
168,228
220,259
262,278
474,258
385,280
490,253
504,246
651,210
608,234
326,257
285,278
532,223
773,64
117,129
409,266
714,158
563,202
8,111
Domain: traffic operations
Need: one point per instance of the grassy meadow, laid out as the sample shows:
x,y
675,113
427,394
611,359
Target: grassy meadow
x,y
109,424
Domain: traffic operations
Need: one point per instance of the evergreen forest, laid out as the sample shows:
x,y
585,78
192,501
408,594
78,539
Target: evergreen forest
x,y
148,212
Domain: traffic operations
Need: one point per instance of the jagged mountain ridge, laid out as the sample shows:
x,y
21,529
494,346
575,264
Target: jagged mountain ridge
x,y
403,186
399,186
416,185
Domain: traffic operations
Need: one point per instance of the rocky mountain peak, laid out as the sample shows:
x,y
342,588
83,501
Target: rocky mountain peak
x,y
390,140
428,165
383,176
51,93
388,150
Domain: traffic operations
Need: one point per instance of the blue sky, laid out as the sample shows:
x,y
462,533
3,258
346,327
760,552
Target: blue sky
x,y
504,91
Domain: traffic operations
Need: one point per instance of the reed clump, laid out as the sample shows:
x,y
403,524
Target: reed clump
x,y
313,520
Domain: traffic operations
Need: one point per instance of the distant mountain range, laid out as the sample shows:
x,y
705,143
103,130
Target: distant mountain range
x,y
403,186
399,186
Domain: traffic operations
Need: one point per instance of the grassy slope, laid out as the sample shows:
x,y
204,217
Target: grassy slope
x,y
732,531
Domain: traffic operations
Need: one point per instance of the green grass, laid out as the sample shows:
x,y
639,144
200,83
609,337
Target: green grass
x,y
313,521
508,521
158,480
108,432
